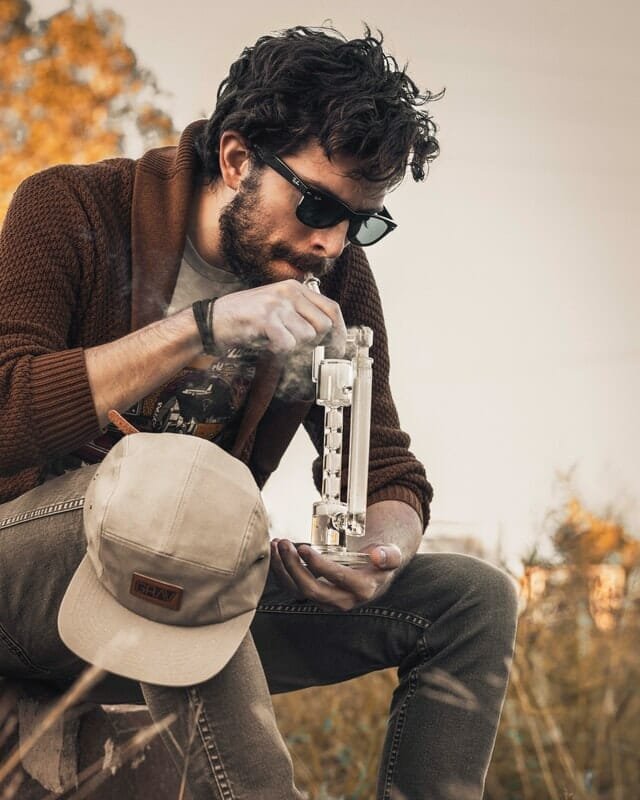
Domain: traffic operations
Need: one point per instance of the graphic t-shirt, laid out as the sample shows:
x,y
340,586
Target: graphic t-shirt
x,y
206,397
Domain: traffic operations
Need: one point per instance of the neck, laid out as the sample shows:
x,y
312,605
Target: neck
x,y
204,230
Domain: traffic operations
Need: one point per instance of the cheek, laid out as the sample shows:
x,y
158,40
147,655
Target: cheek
x,y
282,226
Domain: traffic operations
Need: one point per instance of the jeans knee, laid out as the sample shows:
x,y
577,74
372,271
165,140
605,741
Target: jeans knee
x,y
494,596
495,585
481,595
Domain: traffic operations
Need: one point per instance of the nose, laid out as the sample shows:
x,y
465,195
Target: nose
x,y
330,242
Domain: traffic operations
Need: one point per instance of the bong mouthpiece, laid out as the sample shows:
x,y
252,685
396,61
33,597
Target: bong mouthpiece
x,y
312,282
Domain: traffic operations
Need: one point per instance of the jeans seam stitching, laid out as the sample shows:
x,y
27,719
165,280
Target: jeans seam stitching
x,y
379,612
208,740
397,735
19,652
49,510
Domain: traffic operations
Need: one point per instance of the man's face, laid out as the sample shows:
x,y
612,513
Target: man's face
x,y
261,238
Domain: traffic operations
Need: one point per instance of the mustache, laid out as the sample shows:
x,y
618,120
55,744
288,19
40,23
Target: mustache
x,y
304,261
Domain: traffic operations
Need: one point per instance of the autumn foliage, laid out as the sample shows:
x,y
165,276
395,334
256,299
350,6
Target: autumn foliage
x,y
70,90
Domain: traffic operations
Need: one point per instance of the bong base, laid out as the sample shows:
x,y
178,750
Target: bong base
x,y
342,556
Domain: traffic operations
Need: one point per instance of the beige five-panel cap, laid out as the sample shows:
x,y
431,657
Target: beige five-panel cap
x,y
177,558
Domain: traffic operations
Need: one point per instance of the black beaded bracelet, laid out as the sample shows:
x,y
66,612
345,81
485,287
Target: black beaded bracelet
x,y
203,313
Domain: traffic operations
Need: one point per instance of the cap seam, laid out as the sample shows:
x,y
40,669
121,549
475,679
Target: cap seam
x,y
248,529
180,503
155,551
107,506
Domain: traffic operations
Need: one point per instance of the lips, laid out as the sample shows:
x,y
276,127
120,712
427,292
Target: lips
x,y
285,270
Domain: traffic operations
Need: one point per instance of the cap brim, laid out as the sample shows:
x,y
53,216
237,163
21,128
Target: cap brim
x,y
97,628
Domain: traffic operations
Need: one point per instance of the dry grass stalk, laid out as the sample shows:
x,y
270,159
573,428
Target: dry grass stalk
x,y
187,755
555,735
7,701
518,751
335,734
11,723
8,717
11,789
529,715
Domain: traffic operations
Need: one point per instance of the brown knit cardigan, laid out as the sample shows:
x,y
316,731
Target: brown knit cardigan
x,y
90,253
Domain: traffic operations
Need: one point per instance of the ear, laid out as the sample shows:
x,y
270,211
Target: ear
x,y
235,159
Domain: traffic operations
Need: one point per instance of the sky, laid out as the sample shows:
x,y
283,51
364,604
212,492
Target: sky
x,y
511,287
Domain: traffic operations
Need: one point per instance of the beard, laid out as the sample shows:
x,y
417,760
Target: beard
x,y
243,234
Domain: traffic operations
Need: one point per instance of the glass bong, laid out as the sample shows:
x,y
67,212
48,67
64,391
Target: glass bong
x,y
342,382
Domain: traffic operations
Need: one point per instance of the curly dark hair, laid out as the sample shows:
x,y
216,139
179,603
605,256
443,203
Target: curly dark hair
x,y
312,83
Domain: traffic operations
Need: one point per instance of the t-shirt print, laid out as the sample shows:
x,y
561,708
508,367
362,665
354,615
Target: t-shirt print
x,y
205,401
202,402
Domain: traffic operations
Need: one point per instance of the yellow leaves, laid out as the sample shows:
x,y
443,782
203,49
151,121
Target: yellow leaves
x,y
155,126
153,118
11,11
597,537
586,538
69,88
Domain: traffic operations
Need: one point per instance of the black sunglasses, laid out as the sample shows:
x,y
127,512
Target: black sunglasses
x,y
318,209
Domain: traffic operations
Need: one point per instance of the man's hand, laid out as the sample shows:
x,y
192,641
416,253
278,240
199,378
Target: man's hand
x,y
280,317
330,585
394,532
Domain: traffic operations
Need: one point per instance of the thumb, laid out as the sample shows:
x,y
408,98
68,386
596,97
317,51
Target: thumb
x,y
386,557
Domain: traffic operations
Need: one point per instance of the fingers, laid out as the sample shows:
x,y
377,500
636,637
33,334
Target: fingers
x,y
311,318
279,339
330,324
324,582
304,333
355,585
328,584
282,317
281,574
308,585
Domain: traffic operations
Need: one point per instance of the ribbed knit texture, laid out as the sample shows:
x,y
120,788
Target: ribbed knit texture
x,y
65,285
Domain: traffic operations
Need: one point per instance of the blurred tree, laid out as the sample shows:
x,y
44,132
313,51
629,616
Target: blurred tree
x,y
572,717
586,538
70,91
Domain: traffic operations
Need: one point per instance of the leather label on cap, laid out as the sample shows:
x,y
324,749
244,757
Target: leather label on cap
x,y
167,595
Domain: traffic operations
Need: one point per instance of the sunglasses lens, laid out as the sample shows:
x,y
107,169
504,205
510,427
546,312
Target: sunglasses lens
x,y
368,231
324,212
320,212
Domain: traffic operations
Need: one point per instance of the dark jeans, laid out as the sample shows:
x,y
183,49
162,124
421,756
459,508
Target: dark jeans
x,y
447,623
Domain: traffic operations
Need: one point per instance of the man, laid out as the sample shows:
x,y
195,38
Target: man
x,y
169,289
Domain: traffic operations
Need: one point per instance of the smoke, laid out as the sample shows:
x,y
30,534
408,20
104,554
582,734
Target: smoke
x,y
296,382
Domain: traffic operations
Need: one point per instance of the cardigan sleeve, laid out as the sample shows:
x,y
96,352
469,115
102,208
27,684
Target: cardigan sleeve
x,y
46,400
394,472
